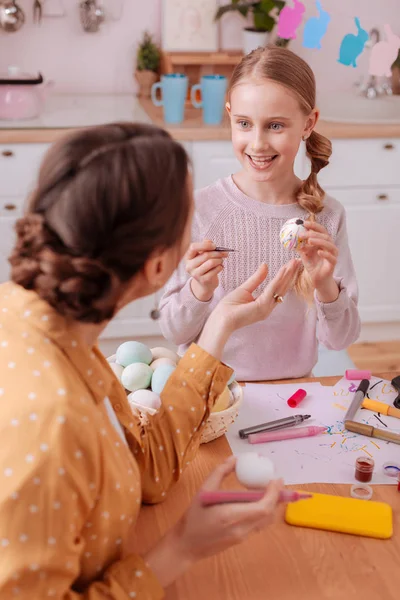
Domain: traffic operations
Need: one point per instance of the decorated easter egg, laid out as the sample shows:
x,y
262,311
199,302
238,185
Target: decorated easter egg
x,y
145,398
292,234
254,470
223,401
133,352
118,369
136,376
160,377
160,352
162,361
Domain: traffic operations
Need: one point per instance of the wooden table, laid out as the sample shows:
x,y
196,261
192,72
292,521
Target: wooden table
x,y
282,562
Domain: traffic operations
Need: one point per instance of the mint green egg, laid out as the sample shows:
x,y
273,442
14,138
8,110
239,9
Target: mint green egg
x,y
160,377
136,376
133,352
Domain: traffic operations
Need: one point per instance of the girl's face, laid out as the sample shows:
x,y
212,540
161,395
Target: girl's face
x,y
267,127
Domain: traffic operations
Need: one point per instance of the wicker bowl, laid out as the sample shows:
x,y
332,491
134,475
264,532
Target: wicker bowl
x,y
217,423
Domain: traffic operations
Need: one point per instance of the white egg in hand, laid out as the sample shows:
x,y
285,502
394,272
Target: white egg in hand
x,y
254,470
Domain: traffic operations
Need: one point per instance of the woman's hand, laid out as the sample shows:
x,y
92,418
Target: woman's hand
x,y
206,530
239,308
319,258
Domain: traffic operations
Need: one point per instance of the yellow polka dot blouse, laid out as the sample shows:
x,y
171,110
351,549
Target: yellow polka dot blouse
x,y
75,464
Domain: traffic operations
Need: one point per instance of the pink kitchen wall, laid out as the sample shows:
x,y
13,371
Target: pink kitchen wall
x,y
103,62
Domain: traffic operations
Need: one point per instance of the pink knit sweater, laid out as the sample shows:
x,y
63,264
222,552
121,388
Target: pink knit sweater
x,y
285,345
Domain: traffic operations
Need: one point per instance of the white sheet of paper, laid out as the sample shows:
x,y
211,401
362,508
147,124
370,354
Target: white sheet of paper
x,y
325,458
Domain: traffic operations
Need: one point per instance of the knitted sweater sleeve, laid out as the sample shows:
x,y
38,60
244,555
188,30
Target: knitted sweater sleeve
x,y
339,321
182,315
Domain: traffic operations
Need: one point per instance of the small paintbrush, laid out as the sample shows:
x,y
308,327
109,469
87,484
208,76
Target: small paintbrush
x,y
222,249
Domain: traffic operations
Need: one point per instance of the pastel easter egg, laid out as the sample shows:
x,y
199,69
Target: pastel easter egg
x,y
292,234
223,401
160,377
133,352
254,470
118,369
162,361
136,376
145,398
160,352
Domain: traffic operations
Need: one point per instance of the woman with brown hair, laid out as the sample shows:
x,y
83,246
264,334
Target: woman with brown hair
x,y
107,223
272,109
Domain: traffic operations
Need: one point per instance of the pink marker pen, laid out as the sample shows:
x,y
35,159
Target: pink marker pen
x,y
228,496
284,434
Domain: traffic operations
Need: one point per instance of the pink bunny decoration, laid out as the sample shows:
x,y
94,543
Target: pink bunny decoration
x,y
383,54
290,19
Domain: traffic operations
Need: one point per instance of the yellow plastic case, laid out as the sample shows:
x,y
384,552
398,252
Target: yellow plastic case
x,y
346,515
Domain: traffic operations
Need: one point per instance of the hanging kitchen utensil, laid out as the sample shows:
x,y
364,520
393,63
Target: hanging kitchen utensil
x,y
12,17
92,15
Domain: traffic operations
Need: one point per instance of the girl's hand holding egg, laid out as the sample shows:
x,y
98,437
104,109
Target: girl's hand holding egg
x,y
319,258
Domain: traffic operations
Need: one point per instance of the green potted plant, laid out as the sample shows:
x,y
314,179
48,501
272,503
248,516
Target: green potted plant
x,y
147,63
264,15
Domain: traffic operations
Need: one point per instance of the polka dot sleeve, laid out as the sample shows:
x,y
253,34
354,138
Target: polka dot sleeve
x,y
165,446
59,530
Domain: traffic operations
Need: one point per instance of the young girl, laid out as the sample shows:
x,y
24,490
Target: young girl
x,y
272,109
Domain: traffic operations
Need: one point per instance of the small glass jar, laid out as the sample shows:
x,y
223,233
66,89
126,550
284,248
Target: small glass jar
x,y
364,469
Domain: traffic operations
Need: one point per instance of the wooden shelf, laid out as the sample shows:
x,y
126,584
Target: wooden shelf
x,y
201,58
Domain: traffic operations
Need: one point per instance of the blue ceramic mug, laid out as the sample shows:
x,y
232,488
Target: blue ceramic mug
x,y
173,88
213,92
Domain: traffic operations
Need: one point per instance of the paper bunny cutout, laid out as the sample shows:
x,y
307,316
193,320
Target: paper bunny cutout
x,y
290,19
353,45
383,54
316,28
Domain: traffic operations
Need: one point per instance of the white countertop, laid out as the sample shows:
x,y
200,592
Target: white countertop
x,y
70,111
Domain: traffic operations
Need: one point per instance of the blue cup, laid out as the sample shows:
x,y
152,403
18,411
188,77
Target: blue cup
x,y
213,91
173,88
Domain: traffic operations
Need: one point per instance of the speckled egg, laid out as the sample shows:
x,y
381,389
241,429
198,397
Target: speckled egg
x,y
145,398
292,234
118,369
162,361
160,377
136,376
160,352
133,352
254,470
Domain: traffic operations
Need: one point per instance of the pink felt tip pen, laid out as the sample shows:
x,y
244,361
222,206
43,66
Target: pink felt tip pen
x,y
357,375
284,434
228,496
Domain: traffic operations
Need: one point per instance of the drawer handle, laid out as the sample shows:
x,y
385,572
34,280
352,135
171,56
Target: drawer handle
x,y
389,146
7,153
383,197
10,207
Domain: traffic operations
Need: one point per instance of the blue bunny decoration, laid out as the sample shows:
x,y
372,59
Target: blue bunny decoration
x,y
352,46
315,28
